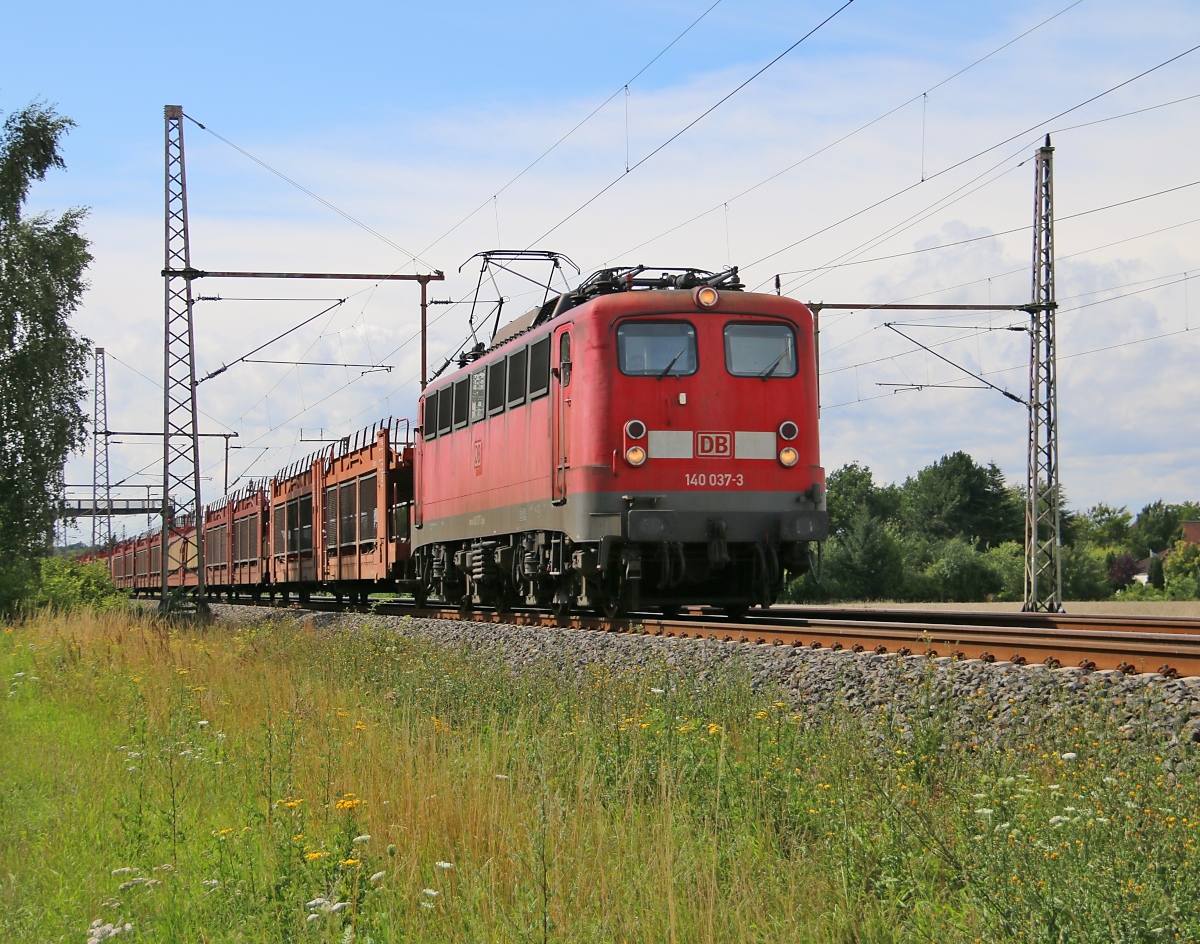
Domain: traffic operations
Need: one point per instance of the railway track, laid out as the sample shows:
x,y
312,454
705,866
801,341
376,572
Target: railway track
x,y
1166,645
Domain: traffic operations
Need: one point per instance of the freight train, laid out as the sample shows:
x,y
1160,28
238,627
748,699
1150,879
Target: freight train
x,y
647,440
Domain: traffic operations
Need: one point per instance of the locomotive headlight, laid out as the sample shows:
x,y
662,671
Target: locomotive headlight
x,y
635,429
788,456
788,430
707,297
636,455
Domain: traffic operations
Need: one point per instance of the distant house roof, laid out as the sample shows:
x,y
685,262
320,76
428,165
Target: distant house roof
x,y
1191,532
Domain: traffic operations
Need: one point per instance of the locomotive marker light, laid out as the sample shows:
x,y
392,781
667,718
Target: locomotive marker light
x,y
635,455
635,429
707,297
788,456
788,430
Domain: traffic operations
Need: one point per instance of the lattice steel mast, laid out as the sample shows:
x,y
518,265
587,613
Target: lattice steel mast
x,y
1043,537
101,490
181,445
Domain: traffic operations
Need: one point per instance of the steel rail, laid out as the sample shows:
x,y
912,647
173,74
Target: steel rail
x,y
1164,645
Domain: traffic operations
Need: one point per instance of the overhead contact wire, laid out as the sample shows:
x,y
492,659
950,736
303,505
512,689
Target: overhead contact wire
x,y
691,124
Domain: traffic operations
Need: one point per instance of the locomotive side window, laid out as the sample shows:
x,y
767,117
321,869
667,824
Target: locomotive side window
x,y
462,399
760,350
429,417
496,391
539,368
516,378
478,395
564,358
656,348
445,410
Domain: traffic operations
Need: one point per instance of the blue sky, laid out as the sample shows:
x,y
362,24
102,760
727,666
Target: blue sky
x,y
410,117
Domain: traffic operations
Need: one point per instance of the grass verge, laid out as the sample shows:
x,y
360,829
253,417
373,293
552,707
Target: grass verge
x,y
279,783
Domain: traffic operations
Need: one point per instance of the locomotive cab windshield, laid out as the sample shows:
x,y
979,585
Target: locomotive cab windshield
x,y
760,350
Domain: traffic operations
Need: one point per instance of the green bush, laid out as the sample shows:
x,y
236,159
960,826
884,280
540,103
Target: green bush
x,y
1008,561
1084,575
960,574
69,584
1181,571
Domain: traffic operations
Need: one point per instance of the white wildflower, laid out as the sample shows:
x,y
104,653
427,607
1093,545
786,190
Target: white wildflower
x,y
979,796
210,883
1054,787
113,903
19,675
364,838
501,776
430,893
444,866
202,724
124,870
427,904
1070,755
316,903
656,691
984,812
312,917
1055,820
378,877
340,906
165,867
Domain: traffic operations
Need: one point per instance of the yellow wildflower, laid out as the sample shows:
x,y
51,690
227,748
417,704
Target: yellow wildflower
x,y
348,862
313,856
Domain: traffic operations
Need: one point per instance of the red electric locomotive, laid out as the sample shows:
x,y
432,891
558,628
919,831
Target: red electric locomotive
x,y
642,440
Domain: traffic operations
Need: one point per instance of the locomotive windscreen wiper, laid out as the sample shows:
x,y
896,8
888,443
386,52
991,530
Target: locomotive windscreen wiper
x,y
770,370
682,351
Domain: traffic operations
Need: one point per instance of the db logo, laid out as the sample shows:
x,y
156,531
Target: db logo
x,y
478,457
715,445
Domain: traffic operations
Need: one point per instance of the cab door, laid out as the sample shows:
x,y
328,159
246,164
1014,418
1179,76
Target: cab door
x,y
560,413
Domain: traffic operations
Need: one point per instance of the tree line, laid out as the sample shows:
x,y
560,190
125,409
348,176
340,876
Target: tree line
x,y
955,531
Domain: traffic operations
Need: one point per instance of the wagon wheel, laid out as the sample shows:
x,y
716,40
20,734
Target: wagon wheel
x,y
736,611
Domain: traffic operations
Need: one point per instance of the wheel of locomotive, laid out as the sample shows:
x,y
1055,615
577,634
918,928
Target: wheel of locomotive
x,y
735,611
564,598
614,598
669,610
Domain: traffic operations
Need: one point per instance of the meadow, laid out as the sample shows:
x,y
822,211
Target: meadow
x,y
276,782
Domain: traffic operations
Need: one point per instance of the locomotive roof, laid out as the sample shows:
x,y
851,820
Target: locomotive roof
x,y
608,281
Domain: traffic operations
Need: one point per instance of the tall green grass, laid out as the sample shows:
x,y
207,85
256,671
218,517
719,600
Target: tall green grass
x,y
280,783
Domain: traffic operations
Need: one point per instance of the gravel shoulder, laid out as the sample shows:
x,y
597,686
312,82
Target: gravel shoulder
x,y
974,696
